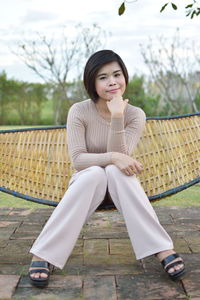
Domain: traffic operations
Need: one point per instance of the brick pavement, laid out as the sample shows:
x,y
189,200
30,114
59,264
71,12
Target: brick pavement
x,y
102,265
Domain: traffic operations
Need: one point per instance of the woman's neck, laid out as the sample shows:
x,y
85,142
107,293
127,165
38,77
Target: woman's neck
x,y
102,107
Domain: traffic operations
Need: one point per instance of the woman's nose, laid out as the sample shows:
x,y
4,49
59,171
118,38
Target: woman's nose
x,y
112,81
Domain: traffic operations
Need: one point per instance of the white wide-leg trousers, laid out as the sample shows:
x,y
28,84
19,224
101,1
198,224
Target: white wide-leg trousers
x,y
86,191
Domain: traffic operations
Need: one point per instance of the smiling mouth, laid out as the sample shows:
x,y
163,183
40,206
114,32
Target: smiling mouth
x,y
113,91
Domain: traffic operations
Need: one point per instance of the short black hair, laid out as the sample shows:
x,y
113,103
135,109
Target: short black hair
x,y
94,64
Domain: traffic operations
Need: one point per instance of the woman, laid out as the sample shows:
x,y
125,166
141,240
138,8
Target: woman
x,y
102,135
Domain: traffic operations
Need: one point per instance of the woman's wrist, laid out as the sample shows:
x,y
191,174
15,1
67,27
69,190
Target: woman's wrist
x,y
117,115
114,156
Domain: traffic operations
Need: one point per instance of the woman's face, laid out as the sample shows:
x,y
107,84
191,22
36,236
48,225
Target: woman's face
x,y
110,81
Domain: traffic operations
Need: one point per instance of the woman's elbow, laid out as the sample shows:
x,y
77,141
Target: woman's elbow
x,y
76,165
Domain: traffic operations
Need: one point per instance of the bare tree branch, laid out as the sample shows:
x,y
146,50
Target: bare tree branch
x,y
172,68
52,59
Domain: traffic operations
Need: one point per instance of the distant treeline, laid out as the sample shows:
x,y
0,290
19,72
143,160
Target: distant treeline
x,y
23,103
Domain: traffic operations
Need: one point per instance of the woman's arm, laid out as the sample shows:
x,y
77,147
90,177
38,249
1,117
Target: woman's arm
x,y
125,140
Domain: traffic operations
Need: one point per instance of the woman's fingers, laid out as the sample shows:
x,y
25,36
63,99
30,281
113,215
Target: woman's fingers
x,y
135,168
138,167
129,171
127,164
126,101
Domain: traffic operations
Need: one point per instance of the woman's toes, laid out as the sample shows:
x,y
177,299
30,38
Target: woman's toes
x,y
38,275
35,275
43,275
178,267
175,268
171,270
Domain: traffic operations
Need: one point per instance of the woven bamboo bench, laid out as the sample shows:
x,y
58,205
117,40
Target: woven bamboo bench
x,y
35,165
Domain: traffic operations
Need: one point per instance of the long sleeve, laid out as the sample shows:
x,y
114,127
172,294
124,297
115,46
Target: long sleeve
x,y
125,139
76,133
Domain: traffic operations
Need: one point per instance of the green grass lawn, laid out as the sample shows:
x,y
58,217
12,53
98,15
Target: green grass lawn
x,y
188,197
7,200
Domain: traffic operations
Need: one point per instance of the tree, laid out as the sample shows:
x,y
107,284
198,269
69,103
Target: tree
x,y
5,91
172,70
21,102
137,96
135,91
28,99
52,59
192,9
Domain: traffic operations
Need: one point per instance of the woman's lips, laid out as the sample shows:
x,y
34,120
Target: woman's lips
x,y
113,91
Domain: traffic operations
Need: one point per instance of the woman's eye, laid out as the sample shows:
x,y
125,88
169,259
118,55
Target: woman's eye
x,y
117,75
101,78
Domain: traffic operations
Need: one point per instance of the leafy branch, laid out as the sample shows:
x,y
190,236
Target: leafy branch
x,y
191,10
122,7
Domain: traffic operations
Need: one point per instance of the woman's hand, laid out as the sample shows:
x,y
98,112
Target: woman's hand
x,y
117,105
126,164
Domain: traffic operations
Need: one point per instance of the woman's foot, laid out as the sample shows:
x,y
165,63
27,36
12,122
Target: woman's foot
x,y
39,272
163,254
172,263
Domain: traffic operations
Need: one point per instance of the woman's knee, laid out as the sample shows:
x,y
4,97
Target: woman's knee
x,y
97,174
91,175
111,170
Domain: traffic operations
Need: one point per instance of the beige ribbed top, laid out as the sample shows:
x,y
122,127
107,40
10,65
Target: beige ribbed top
x,y
91,139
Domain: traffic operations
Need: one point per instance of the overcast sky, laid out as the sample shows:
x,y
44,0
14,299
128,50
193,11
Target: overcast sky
x,y
140,21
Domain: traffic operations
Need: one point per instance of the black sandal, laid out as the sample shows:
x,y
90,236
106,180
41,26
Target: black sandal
x,y
39,282
177,274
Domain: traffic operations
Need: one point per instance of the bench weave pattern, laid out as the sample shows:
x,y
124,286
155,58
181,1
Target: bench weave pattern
x,y
35,165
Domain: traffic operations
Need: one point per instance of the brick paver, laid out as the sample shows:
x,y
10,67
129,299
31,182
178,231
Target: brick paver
x,y
8,285
102,265
100,287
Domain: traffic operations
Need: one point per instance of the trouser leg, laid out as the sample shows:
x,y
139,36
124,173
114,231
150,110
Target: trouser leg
x,y
57,239
146,233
